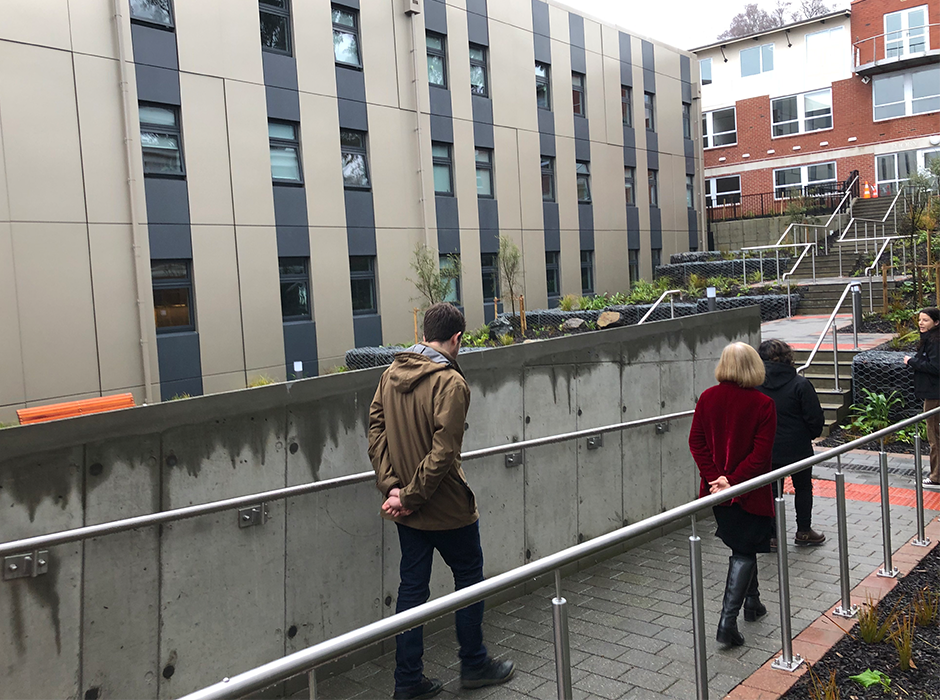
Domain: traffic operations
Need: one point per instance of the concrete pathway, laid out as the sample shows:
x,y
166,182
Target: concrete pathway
x,y
802,332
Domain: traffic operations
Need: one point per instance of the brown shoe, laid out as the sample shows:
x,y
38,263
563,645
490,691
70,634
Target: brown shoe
x,y
808,538
773,544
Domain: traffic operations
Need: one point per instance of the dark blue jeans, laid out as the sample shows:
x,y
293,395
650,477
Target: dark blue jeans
x,y
461,551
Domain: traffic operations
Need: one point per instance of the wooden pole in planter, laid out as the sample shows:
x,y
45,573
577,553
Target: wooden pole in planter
x,y
936,282
522,323
416,327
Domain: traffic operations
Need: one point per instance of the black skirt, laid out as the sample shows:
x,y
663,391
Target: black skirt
x,y
742,531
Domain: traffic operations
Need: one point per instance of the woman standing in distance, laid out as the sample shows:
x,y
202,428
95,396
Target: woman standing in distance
x,y
926,366
732,440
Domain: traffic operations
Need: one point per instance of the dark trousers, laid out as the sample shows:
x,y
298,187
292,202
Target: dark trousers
x,y
803,497
462,552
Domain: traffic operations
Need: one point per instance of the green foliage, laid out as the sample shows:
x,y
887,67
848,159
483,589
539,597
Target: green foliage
x,y
337,369
569,302
723,285
4,426
873,413
755,278
179,397
506,339
869,677
823,690
260,380
902,637
510,268
590,325
926,608
477,338
643,292
596,303
697,284
432,283
871,630
906,435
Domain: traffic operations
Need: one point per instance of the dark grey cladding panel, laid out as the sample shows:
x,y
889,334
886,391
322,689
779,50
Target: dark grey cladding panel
x,y
435,16
290,205
293,241
656,227
154,47
546,122
626,48
440,101
360,241
552,226
543,48
578,59
359,210
687,93
279,70
353,115
167,200
482,109
576,30
170,241
586,226
282,103
629,155
629,145
367,331
547,145
489,239
300,345
652,150
582,150
488,210
483,135
582,129
178,355
350,84
626,74
477,7
633,228
649,80
689,163
540,23
442,129
446,212
158,85
478,31
347,3
649,60
693,228
448,241
685,69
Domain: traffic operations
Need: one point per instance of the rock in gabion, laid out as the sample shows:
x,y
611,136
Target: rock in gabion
x,y
883,372
772,306
679,273
698,256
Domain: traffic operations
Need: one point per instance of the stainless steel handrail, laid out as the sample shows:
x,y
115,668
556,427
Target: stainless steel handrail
x,y
925,30
669,293
884,219
836,212
132,523
825,331
303,661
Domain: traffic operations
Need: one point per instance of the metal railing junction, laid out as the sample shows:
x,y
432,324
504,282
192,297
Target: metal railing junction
x,y
671,293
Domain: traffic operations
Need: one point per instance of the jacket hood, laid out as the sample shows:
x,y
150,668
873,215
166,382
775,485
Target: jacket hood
x,y
412,365
778,374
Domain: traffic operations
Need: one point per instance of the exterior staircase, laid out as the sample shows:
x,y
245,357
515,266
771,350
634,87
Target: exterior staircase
x,y
821,374
873,209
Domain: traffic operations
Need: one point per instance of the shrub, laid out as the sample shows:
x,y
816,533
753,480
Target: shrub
x,y
874,414
903,639
260,380
477,338
871,630
506,339
926,608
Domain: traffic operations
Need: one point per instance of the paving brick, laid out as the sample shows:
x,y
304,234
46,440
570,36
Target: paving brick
x,y
644,659
648,679
602,687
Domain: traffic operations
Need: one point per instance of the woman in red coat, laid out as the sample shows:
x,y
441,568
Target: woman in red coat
x,y
732,440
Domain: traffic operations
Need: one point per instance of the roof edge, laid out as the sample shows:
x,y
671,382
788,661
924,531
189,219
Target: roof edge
x,y
782,28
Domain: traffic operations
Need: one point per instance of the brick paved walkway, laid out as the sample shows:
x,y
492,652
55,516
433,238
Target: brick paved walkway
x,y
631,634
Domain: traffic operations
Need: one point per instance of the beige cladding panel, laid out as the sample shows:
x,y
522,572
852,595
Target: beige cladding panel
x,y
221,39
92,28
611,266
205,142
12,388
227,381
530,180
44,172
465,176
397,295
404,60
562,100
610,213
101,118
250,154
260,297
518,15
332,297
40,22
313,47
218,316
612,109
593,40
512,74
58,339
597,98
669,115
322,162
565,183
506,158
458,64
393,156
570,262
559,26
4,193
534,284
377,47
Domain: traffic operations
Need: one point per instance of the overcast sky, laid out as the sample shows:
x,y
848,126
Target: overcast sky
x,y
685,24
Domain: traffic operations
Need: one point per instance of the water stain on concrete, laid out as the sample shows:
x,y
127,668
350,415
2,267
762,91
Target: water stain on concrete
x,y
317,426
49,476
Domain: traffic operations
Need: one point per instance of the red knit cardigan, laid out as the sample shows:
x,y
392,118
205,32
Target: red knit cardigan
x,y
733,436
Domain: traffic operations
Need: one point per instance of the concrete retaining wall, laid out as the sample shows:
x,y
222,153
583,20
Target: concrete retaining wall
x,y
734,235
159,612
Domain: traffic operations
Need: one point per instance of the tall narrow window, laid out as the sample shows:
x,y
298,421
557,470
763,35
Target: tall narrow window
x,y
160,140
548,179
449,266
275,26
543,89
362,281
157,12
656,258
285,151
649,108
437,60
552,274
346,37
587,271
719,128
756,60
578,94
654,188
295,288
443,168
690,191
629,184
583,175
633,263
906,32
355,159
172,295
478,76
490,271
626,104
723,190
484,166
705,71
686,120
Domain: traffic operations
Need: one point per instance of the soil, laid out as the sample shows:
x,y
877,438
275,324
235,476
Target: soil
x,y
852,656
840,436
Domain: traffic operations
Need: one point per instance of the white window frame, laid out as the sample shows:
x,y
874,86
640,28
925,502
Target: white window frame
x,y
708,132
888,187
712,194
908,101
705,69
762,67
804,178
801,118
903,36
834,50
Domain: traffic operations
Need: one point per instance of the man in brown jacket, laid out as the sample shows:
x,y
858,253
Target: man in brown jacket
x,y
416,426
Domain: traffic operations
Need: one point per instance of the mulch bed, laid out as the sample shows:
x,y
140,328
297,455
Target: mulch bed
x,y
851,656
840,436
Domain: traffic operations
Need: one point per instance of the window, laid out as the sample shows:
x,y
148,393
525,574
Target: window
x,y
795,182
626,104
825,50
690,191
478,85
362,281
490,270
484,164
801,113
904,94
686,120
346,37
629,184
449,266
355,159
437,60
548,179
893,170
756,60
552,274
543,90
160,140
275,26
654,188
156,12
578,94
634,266
719,128
583,175
443,168
295,288
723,190
172,295
905,32
656,258
705,71
648,107
285,152
587,271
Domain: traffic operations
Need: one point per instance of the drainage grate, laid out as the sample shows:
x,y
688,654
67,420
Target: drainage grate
x,y
869,468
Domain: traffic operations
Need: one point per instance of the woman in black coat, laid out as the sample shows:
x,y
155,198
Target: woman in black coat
x,y
926,366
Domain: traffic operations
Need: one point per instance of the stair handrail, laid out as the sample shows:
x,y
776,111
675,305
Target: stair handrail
x,y
845,196
672,307
891,210
888,241
835,336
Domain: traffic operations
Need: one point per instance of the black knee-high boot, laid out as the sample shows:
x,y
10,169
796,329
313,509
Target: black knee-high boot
x,y
753,608
740,572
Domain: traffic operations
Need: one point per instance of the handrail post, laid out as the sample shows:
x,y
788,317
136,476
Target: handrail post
x,y
560,635
698,613
888,571
789,304
312,684
920,540
845,609
672,306
835,354
787,661
856,311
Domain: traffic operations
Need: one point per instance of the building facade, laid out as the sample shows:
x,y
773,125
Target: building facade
x,y
794,112
197,194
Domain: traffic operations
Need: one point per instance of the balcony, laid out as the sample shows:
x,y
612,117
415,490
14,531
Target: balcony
x,y
896,50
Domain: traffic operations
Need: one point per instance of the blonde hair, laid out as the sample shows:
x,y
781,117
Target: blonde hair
x,y
740,364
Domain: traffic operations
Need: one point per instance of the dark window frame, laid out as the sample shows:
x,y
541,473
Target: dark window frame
x,y
548,168
480,63
440,53
581,92
546,81
185,283
687,121
649,110
633,265
346,29
626,105
171,26
583,176
367,276
175,131
288,143
587,266
629,170
446,260
448,162
489,168
356,151
656,259
282,13
553,272
652,177
489,267
292,278
690,191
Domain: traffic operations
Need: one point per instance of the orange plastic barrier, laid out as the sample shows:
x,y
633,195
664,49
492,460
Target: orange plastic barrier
x,y
70,409
874,191
866,191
